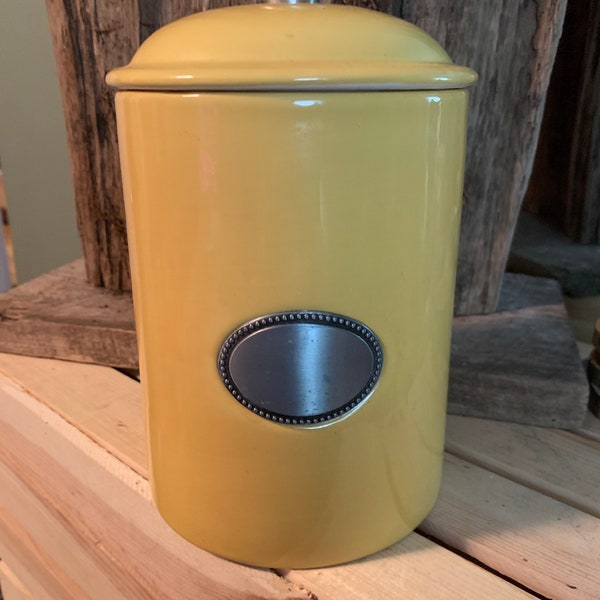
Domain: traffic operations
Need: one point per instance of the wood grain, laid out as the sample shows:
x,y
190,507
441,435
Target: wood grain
x,y
89,39
546,545
73,514
111,414
60,315
11,588
404,571
520,364
512,46
86,517
479,512
557,463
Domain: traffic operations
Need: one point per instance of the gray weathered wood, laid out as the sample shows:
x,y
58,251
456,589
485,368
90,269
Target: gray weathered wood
x,y
89,39
520,364
542,250
512,45
565,183
59,315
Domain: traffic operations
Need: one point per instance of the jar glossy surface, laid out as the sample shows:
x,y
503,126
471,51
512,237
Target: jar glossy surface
x,y
249,203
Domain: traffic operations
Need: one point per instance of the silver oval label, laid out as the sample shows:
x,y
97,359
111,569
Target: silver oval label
x,y
301,367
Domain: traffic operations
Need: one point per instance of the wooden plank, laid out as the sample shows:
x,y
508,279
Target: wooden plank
x,y
520,364
557,463
546,545
412,568
542,250
11,588
39,547
101,402
461,486
39,484
98,508
59,315
89,40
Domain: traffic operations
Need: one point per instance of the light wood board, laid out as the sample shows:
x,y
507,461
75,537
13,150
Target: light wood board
x,y
487,508
544,544
80,523
103,403
560,464
72,515
11,587
390,575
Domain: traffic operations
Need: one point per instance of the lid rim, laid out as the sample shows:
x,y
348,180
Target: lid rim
x,y
333,75
342,87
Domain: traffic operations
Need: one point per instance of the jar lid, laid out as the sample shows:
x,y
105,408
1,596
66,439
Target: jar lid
x,y
285,46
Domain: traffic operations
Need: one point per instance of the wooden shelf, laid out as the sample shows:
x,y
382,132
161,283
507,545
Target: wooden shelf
x,y
520,364
518,509
60,315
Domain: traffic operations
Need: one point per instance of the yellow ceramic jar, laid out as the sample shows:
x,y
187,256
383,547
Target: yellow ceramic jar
x,y
292,179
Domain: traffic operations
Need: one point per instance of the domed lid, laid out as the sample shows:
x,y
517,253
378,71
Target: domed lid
x,y
286,46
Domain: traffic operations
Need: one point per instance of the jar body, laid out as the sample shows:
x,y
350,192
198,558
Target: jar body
x,y
242,204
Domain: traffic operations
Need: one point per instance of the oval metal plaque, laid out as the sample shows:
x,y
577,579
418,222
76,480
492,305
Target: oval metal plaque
x,y
301,367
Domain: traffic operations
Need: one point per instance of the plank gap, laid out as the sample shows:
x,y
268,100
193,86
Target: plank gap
x,y
284,574
527,479
481,564
131,373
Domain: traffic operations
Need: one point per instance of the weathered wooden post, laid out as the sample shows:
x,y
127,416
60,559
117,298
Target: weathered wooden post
x,y
512,47
90,38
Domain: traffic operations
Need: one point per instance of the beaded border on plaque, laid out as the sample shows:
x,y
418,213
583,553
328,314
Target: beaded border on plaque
x,y
301,316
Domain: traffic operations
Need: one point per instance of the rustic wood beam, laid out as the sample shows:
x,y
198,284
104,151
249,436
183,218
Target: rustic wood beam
x,y
60,315
520,364
89,39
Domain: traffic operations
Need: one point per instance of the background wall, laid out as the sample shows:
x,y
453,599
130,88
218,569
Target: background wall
x,y
33,151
